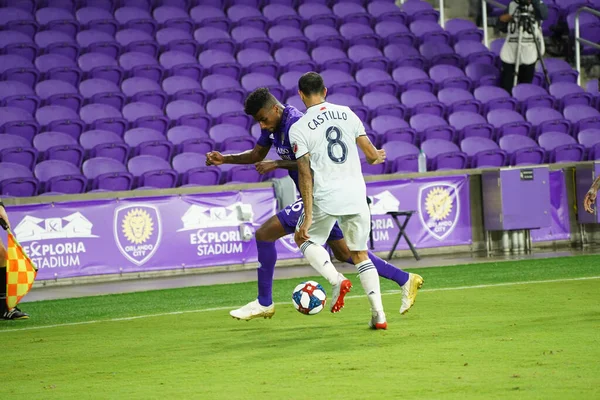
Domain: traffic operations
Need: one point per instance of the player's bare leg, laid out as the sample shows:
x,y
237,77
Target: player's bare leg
x,y
262,306
408,282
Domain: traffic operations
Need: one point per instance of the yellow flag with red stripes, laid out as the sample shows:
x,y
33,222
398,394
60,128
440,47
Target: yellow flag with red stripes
x,y
20,272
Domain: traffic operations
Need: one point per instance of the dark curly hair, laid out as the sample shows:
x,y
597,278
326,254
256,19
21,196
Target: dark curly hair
x,y
258,99
311,83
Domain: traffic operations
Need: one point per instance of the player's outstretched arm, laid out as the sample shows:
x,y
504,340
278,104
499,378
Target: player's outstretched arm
x,y
266,166
258,153
373,155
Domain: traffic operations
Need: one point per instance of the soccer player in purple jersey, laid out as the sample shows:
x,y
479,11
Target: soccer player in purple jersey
x,y
275,120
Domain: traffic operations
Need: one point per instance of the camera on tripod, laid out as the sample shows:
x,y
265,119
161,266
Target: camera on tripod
x,y
522,3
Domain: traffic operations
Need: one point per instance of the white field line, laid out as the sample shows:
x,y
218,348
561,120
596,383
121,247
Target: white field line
x,y
348,297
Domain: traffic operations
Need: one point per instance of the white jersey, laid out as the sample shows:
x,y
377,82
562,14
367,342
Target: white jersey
x,y
528,55
328,132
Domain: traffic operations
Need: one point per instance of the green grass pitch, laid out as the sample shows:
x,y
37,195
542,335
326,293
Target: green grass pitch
x,y
510,330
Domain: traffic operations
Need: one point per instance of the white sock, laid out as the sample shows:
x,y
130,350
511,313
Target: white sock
x,y
319,258
369,278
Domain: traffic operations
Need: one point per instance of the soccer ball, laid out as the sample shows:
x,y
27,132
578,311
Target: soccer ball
x,y
309,298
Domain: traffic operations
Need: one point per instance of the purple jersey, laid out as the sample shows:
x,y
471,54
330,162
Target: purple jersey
x,y
280,139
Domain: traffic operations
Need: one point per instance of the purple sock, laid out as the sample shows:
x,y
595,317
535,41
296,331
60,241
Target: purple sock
x,y
387,270
267,257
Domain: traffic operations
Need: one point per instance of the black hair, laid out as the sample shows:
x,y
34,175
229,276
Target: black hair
x,y
258,99
311,83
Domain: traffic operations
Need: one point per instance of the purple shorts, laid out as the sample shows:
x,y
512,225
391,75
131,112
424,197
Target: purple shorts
x,y
289,219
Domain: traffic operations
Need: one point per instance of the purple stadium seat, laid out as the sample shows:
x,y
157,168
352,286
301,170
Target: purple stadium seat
x,y
18,122
17,94
561,147
222,86
522,150
590,138
349,101
474,52
470,124
332,58
352,13
530,95
436,53
401,157
325,36
385,11
443,154
220,62
483,74
496,46
459,100
558,71
18,43
279,14
317,14
493,98
178,40
145,141
432,127
394,33
138,41
255,80
210,16
190,139
412,78
184,88
483,153
582,117
368,57
17,19
254,60
376,80
58,146
59,93
246,15
288,36
141,64
60,176
463,30
569,94
509,122
54,66
232,137
105,117
56,19
338,82
18,150
383,104
144,90
152,171
360,34
248,37
98,41
61,119
107,174
173,17
289,81
97,19
101,91
18,68
422,102
228,111
547,120
240,174
292,59
448,76
404,56
144,115
181,64
102,143
429,31
54,42
296,102
136,18
98,65
214,38
420,11
17,180
186,112
391,128
193,170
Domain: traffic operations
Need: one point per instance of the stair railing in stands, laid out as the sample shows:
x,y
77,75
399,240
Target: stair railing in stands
x,y
579,40
440,6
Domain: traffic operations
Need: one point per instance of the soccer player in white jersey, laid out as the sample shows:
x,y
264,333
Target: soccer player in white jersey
x,y
325,142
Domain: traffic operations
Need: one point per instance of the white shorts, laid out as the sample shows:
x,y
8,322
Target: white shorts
x,y
356,227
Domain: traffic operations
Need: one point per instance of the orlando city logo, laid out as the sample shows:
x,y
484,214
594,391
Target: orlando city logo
x,y
439,208
137,232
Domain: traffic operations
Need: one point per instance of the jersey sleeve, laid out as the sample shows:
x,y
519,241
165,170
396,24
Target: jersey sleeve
x,y
298,141
265,139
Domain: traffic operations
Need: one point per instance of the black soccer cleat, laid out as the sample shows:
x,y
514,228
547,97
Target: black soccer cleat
x,y
14,314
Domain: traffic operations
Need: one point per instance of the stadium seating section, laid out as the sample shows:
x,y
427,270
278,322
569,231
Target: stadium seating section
x,y
100,95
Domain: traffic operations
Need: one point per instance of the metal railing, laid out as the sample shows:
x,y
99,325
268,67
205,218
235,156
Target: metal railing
x,y
440,6
579,40
484,21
